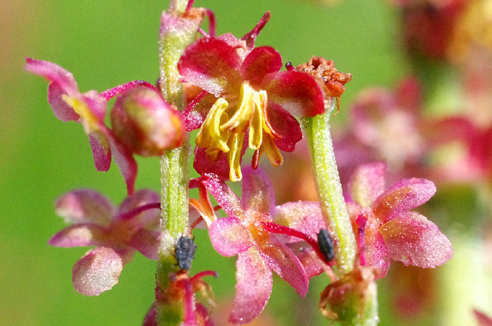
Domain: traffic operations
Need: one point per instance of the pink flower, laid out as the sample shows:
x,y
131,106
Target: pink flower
x,y
117,233
144,123
388,227
245,92
246,233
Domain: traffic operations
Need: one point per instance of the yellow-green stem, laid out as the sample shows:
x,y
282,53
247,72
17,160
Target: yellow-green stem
x,y
329,188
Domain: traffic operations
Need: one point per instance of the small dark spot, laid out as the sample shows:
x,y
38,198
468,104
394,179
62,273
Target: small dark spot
x,y
326,245
185,252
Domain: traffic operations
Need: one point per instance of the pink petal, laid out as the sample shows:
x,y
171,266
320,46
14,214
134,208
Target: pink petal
x,y
414,240
311,262
126,163
140,198
97,105
376,253
54,73
229,237
297,92
98,270
404,195
79,235
253,289
302,216
147,242
482,319
85,205
368,183
258,63
100,151
211,64
224,196
285,263
61,109
257,193
285,125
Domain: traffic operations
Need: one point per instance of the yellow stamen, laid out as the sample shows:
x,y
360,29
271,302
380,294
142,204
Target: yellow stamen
x,y
234,156
88,120
241,118
271,150
210,135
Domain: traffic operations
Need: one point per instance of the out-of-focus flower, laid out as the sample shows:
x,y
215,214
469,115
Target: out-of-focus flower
x,y
181,294
117,233
384,126
246,233
391,230
483,319
144,123
245,93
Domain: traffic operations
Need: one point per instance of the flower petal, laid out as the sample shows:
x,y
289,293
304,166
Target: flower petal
x,y
140,198
285,263
368,183
101,151
224,195
85,205
203,165
99,270
259,62
257,193
79,235
229,237
197,111
302,216
253,289
404,195
126,163
297,92
284,125
61,109
212,65
414,240
147,242
376,253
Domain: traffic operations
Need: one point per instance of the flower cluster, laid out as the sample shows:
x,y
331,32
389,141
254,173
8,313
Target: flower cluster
x,y
238,97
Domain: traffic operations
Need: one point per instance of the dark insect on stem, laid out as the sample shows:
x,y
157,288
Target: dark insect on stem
x,y
326,244
185,252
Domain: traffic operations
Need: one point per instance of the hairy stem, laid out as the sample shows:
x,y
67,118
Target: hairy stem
x,y
329,187
178,30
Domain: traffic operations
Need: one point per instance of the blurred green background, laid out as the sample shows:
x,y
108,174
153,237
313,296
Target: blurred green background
x,y
107,43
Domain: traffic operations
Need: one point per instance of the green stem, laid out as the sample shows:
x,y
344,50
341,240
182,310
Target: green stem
x,y
329,187
178,30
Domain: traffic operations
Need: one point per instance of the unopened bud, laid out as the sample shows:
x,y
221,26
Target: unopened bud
x,y
146,124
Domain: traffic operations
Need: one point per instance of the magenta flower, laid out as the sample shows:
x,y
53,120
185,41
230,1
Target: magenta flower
x,y
246,233
117,233
244,91
385,225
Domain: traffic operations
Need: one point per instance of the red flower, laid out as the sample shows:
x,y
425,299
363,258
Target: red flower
x,y
245,91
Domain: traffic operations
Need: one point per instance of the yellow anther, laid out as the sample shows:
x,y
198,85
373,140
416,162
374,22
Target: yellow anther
x,y
271,150
210,135
243,113
88,120
234,156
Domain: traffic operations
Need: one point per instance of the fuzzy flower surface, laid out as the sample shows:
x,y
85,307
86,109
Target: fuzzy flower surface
x,y
116,232
390,230
244,233
245,94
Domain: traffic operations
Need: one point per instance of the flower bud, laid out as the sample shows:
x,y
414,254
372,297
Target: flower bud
x,y
146,124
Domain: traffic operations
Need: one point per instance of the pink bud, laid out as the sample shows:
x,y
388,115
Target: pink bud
x,y
146,124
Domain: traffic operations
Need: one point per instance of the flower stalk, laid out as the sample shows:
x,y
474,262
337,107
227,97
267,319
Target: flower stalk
x,y
178,30
329,188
